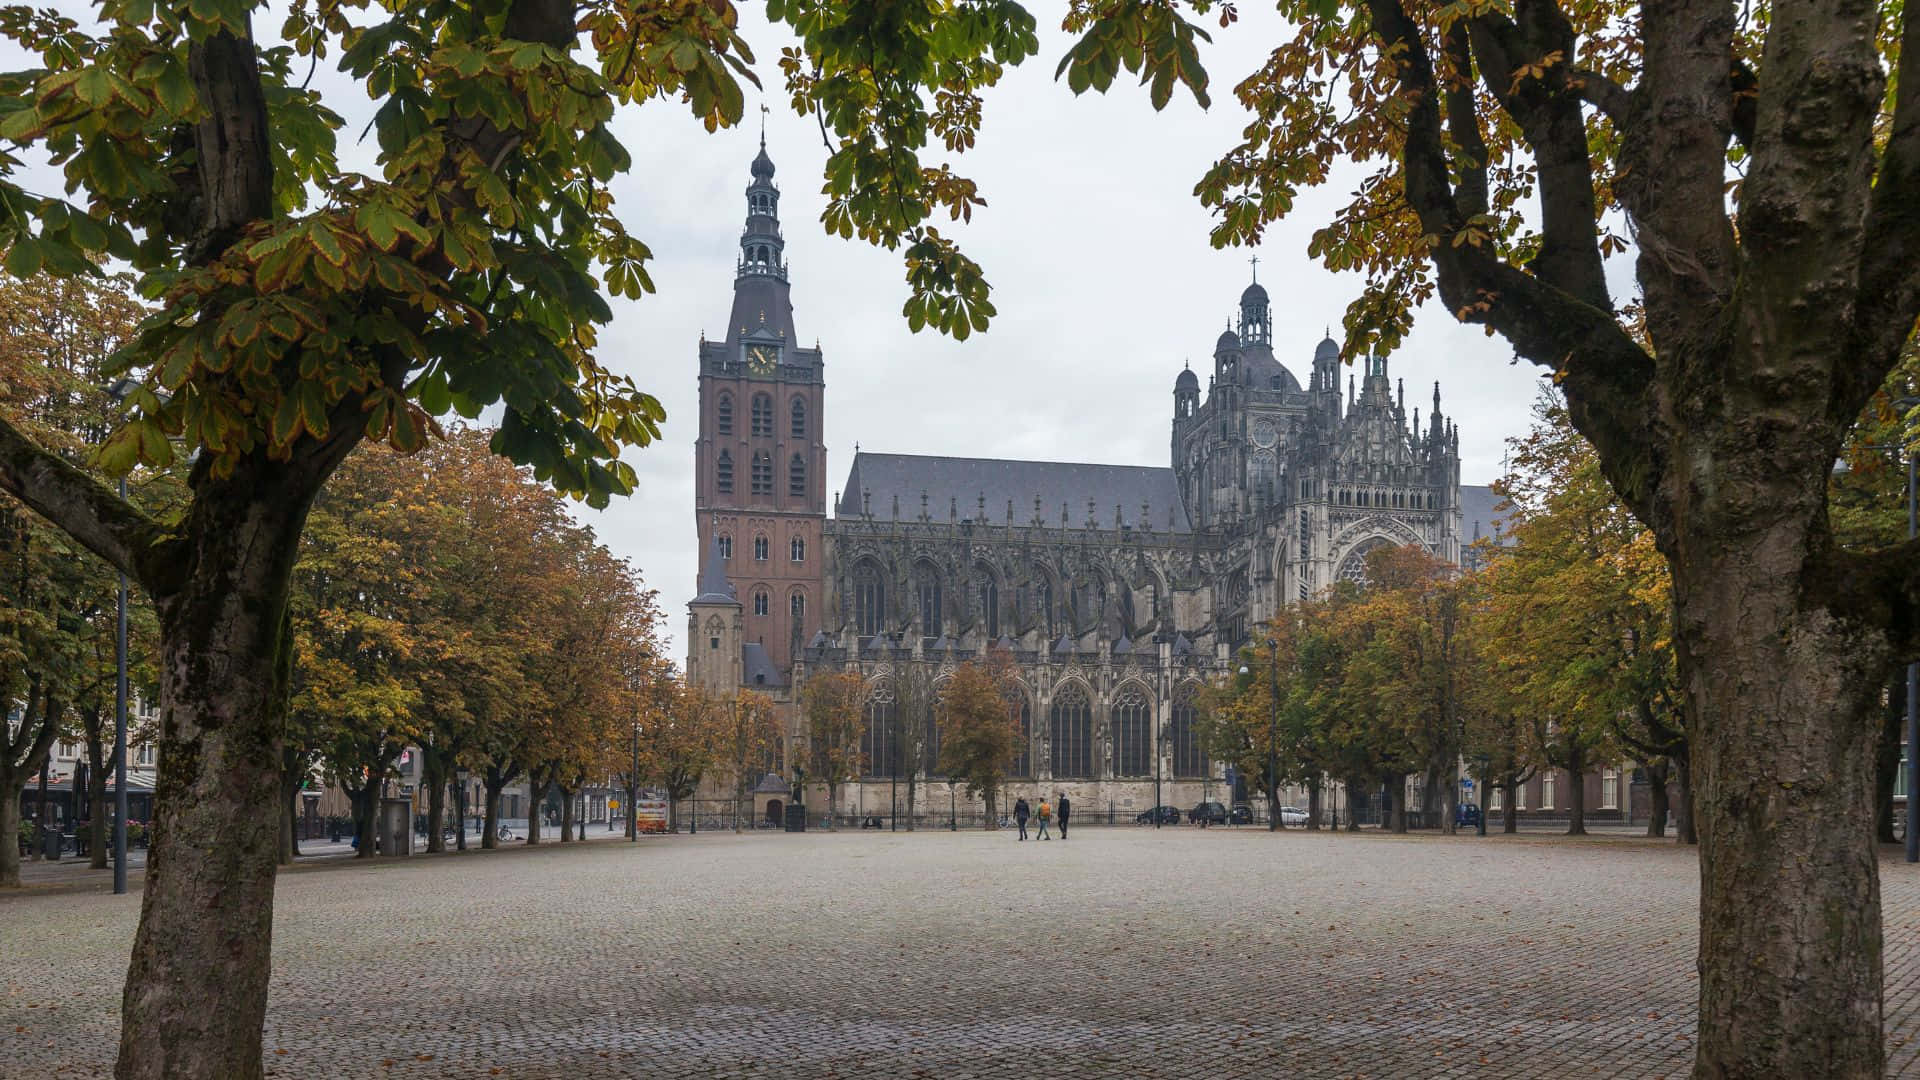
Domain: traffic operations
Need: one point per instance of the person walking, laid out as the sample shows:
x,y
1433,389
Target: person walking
x,y
1043,815
1066,808
1021,812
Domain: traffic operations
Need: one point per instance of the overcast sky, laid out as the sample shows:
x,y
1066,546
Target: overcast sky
x,y
1102,274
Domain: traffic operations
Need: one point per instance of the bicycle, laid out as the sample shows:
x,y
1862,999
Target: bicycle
x,y
504,833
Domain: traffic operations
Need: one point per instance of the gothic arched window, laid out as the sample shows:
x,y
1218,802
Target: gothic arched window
x,y
726,545
797,476
877,743
1070,729
1132,734
723,414
723,474
1354,567
760,603
1263,474
797,606
799,549
1189,755
799,418
926,584
760,548
1023,740
869,600
762,414
762,473
990,606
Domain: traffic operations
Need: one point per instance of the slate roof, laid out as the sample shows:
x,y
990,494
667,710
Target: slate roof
x,y
1477,515
949,480
756,667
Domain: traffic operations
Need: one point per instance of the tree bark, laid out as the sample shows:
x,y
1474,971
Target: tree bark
x,y
1313,804
1577,791
566,815
633,811
196,989
490,839
536,800
365,800
1785,732
9,834
436,812
1657,798
97,809
1510,808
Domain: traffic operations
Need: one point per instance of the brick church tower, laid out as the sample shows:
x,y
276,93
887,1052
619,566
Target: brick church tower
x,y
760,496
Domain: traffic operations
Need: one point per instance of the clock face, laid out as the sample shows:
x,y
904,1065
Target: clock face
x,y
1264,436
762,359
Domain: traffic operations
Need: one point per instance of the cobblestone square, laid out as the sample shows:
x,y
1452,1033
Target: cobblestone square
x,y
1123,952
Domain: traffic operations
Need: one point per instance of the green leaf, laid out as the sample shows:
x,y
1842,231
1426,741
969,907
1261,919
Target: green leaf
x,y
24,257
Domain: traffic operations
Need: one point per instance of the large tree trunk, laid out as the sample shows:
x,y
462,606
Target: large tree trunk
x,y
1577,791
1785,731
9,833
633,811
435,773
196,989
536,803
366,814
97,811
1450,806
566,816
1313,803
490,836
833,805
912,794
1510,808
1657,776
1396,788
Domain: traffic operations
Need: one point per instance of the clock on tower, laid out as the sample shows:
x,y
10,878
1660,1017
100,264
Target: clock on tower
x,y
762,359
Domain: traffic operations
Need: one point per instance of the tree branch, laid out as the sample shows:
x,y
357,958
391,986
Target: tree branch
x,y
1672,173
1889,291
80,505
1606,374
1614,101
1876,588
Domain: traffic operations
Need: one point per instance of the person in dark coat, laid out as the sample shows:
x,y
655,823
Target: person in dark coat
x,y
1021,812
1066,808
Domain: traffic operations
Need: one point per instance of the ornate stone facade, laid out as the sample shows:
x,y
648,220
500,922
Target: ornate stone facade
x,y
1118,589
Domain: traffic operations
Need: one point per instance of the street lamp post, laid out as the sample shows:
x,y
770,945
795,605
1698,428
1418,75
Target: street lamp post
x,y
1273,731
118,392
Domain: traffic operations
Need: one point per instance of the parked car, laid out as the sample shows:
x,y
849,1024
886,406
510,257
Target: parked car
x,y
1207,813
1242,814
1292,815
1165,815
1466,816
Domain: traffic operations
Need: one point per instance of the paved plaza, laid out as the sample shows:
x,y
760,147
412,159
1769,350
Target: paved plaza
x,y
1123,952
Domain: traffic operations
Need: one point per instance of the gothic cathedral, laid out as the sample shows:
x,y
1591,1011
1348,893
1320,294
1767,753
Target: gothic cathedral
x,y
1118,589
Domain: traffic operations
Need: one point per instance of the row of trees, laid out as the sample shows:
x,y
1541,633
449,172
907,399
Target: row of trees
x,y
1556,654
446,601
